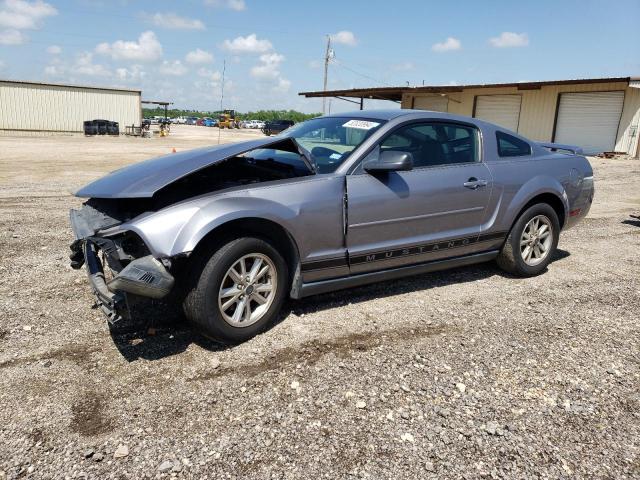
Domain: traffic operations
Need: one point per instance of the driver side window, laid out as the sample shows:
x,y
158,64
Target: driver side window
x,y
435,144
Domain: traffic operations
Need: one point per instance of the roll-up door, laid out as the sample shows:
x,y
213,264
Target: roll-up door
x,y
589,120
503,110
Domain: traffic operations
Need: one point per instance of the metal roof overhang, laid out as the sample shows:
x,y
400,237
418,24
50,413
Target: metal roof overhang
x,y
395,93
68,85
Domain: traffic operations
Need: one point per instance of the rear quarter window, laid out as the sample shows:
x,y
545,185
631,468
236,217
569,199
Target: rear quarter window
x,y
510,146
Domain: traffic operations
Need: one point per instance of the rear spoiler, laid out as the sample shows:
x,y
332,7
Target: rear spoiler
x,y
559,146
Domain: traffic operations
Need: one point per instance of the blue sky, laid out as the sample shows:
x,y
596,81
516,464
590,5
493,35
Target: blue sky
x,y
274,49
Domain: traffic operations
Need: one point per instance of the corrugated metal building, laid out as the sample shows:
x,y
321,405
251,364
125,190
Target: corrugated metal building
x,y
598,114
30,107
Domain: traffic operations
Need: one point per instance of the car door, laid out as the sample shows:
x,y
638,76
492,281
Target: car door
x,y
431,212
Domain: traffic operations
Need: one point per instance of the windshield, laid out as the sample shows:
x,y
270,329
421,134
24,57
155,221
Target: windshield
x,y
330,140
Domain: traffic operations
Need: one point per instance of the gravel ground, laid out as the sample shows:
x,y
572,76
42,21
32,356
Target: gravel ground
x,y
461,374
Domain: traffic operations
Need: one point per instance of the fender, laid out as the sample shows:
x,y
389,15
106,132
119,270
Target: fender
x,y
539,185
226,210
178,229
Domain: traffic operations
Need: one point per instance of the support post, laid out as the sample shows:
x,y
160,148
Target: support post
x,y
326,71
361,103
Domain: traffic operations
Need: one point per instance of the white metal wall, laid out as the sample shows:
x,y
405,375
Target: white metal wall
x,y
539,107
53,108
434,103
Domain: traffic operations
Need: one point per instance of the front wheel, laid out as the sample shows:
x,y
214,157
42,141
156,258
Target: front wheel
x,y
531,242
239,291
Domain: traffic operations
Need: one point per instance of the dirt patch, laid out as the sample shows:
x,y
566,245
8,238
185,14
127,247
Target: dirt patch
x,y
89,415
78,354
310,353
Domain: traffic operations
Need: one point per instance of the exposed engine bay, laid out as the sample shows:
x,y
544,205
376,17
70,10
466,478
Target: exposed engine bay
x,y
279,162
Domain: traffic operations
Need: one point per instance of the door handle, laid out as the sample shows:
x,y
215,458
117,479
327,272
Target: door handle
x,y
474,183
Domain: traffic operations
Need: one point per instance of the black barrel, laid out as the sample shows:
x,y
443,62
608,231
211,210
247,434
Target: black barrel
x,y
90,127
102,126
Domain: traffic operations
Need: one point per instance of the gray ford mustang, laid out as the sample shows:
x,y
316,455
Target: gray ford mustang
x,y
335,202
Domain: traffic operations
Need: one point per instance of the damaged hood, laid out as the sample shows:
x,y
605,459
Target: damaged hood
x,y
144,179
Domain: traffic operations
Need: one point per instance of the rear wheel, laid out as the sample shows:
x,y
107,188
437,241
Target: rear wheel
x,y
239,291
531,242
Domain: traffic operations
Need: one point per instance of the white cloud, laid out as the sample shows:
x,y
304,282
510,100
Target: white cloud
x,y
314,64
134,73
510,39
248,44
174,68
268,66
198,56
84,66
12,37
448,45
210,74
22,15
269,70
146,49
283,85
237,5
175,22
54,70
344,37
54,50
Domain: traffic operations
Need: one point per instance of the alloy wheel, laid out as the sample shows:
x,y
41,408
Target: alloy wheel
x,y
536,240
248,290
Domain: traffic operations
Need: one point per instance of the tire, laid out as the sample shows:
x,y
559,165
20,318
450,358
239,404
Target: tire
x,y
203,304
518,260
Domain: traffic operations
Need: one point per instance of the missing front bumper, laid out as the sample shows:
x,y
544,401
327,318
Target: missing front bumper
x,y
113,304
144,277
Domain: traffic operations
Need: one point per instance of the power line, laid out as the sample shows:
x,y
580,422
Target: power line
x,y
342,64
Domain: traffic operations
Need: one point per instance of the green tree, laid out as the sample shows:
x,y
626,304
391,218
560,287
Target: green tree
x,y
264,115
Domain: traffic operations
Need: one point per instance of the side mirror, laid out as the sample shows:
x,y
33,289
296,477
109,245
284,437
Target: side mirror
x,y
390,161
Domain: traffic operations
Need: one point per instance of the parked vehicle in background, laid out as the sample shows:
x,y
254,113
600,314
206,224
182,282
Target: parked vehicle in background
x,y
332,203
180,120
200,121
276,126
191,120
210,122
255,124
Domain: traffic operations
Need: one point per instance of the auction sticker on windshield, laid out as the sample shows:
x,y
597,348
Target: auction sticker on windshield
x,y
361,124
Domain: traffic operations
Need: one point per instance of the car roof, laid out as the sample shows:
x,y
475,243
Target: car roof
x,y
386,114
392,114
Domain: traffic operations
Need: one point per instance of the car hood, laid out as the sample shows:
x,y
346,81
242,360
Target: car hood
x,y
144,179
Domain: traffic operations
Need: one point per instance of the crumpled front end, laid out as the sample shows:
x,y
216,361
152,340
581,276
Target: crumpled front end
x,y
117,265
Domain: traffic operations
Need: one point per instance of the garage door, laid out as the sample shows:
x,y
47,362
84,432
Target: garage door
x,y
435,104
503,110
589,120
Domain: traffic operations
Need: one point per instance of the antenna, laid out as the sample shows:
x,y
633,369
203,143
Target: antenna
x,y
224,69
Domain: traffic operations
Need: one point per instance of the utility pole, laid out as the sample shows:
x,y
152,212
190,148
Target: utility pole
x,y
327,57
